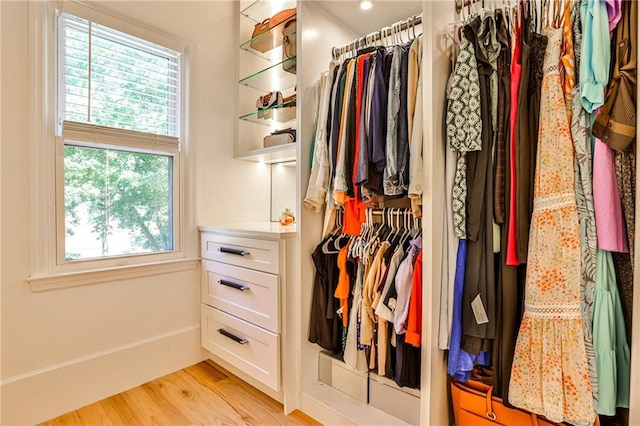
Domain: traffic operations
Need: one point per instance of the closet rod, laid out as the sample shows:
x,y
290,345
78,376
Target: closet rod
x,y
462,3
391,210
377,35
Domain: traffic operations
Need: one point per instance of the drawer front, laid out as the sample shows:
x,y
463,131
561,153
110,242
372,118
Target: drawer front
x,y
249,253
244,293
252,349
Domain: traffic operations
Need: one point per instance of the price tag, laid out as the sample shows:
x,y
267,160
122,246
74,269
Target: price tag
x,y
478,311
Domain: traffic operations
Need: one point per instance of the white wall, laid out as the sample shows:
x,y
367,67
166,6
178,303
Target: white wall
x,y
63,349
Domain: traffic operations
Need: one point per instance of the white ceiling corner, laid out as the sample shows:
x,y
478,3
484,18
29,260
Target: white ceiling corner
x,y
362,22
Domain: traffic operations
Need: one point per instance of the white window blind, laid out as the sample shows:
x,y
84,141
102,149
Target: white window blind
x,y
111,79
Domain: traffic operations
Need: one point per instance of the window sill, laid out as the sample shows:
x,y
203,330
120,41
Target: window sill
x,y
77,279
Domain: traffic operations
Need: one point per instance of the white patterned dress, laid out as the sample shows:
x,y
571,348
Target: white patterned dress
x,y
549,375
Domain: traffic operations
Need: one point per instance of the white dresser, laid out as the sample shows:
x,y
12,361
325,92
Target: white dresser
x,y
244,282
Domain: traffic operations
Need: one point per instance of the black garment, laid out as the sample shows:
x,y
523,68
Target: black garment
x,y
350,130
502,126
403,121
528,119
325,326
337,113
479,270
407,364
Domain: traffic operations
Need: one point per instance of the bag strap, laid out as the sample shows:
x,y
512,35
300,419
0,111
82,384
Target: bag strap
x,y
534,419
489,397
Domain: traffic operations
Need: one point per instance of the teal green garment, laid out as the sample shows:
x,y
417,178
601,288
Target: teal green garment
x,y
595,58
613,358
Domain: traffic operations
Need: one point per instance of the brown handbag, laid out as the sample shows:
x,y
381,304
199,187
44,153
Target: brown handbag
x,y
289,46
264,43
475,405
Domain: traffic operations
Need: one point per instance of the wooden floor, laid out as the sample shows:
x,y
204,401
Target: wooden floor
x,y
201,394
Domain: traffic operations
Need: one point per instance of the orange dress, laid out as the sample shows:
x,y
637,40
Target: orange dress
x,y
549,375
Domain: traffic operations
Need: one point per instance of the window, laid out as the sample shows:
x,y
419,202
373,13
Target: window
x,y
118,111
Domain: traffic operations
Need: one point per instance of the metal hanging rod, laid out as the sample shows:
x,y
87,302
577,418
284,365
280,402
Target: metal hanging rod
x,y
464,3
396,211
375,36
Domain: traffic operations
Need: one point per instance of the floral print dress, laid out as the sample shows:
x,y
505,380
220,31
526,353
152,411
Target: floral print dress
x,y
549,375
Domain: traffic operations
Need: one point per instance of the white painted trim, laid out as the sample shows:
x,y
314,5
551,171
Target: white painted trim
x,y
45,393
47,213
76,279
331,406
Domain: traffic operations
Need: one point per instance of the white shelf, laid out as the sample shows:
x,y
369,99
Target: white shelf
x,y
259,10
274,154
330,406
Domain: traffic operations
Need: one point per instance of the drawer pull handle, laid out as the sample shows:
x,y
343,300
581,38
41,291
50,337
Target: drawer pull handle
x,y
233,251
231,284
232,336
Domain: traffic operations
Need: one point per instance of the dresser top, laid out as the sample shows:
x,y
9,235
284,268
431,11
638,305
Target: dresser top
x,y
254,229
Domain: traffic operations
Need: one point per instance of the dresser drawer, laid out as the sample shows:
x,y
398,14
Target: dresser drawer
x,y
244,293
243,345
249,253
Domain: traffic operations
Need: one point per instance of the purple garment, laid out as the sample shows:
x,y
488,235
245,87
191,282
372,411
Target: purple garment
x,y
461,362
378,121
614,12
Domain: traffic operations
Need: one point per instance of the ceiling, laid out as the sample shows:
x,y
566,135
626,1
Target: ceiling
x,y
363,22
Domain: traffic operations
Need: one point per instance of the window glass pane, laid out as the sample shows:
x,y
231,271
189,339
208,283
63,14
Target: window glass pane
x,y
116,202
113,79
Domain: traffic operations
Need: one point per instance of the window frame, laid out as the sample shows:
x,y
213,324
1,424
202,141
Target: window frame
x,y
47,151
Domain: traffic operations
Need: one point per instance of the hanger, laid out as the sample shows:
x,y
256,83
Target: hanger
x,y
406,227
326,247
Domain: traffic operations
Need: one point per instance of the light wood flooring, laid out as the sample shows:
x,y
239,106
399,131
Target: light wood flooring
x,y
204,394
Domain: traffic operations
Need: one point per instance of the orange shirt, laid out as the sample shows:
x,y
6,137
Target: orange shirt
x,y
414,319
343,288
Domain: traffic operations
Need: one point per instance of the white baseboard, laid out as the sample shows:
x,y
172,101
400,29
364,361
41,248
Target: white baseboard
x,y
46,393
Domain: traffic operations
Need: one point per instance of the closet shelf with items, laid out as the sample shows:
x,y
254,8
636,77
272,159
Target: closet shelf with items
x,y
267,80
259,10
274,115
266,44
272,78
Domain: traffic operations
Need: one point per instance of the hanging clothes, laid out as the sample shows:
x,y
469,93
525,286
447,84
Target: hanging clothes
x,y
502,124
616,126
613,358
416,168
516,76
464,124
527,125
479,289
550,361
610,226
325,326
584,193
508,289
596,56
